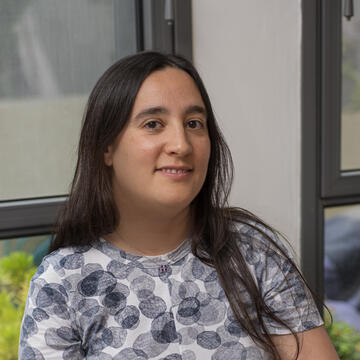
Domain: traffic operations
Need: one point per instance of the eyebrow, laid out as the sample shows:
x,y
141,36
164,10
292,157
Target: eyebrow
x,y
157,110
195,109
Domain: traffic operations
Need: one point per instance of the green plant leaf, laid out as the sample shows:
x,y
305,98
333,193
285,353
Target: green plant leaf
x,y
16,270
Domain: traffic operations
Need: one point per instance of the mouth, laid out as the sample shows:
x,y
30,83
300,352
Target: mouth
x,y
174,171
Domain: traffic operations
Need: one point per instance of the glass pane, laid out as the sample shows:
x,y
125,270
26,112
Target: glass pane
x,y
350,115
16,270
35,245
342,263
52,53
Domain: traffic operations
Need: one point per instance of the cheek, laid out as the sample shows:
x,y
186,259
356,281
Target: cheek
x,y
148,147
204,153
140,151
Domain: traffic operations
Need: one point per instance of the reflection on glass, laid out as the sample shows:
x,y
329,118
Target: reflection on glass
x,y
350,115
36,245
342,263
52,53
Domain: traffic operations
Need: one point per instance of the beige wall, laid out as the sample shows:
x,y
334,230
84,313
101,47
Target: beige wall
x,y
248,52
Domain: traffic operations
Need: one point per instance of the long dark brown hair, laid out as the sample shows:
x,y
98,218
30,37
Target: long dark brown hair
x,y
90,210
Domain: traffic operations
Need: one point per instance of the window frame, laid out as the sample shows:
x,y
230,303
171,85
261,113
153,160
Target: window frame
x,y
323,185
311,219
29,217
36,216
158,33
334,181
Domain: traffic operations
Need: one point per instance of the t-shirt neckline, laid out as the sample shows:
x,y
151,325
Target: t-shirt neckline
x,y
152,261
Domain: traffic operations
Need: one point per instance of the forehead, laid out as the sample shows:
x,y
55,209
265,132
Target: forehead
x,y
168,87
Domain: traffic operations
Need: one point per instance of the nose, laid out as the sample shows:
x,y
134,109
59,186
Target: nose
x,y
178,142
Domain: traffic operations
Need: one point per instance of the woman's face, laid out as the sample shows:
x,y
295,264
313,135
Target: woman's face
x,y
160,158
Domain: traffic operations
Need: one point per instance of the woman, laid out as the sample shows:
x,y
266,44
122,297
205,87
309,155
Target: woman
x,y
149,262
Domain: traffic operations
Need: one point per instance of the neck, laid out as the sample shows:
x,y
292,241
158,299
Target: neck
x,y
150,233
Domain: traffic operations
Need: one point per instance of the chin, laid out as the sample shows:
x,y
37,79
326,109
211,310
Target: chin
x,y
176,204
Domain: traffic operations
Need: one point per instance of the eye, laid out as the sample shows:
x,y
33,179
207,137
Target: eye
x,y
152,125
195,124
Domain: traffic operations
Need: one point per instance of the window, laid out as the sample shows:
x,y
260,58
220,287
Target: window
x,y
53,51
330,155
37,246
341,262
350,92
340,97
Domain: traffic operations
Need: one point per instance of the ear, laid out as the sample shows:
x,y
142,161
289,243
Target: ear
x,y
108,156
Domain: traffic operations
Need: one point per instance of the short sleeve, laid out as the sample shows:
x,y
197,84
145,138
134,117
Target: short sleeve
x,y
48,330
280,284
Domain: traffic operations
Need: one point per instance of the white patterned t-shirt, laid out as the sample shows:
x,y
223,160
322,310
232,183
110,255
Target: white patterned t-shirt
x,y
99,302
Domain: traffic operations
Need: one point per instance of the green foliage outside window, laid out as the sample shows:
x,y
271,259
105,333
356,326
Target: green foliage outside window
x,y
16,270
345,338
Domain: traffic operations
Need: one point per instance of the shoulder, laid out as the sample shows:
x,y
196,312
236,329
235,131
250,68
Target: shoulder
x,y
277,277
257,239
57,264
267,257
55,278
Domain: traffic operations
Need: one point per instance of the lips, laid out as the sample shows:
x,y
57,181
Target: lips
x,y
177,172
174,171
184,168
